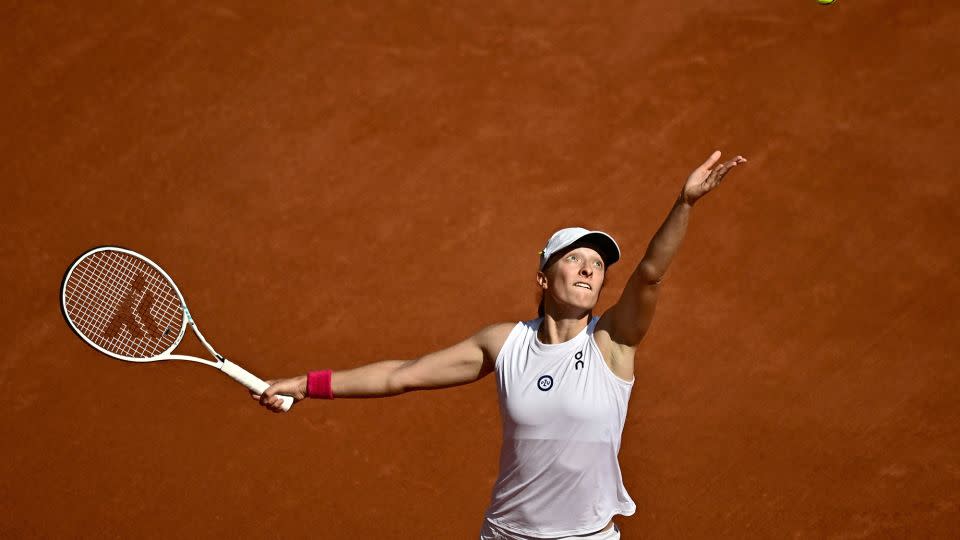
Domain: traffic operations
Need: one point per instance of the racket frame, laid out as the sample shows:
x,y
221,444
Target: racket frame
x,y
236,372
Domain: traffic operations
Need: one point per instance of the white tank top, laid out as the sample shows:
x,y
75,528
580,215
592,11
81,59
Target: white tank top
x,y
563,412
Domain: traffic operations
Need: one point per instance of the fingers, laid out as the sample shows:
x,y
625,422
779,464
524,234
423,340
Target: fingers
x,y
269,399
268,395
708,176
721,170
715,156
273,404
255,395
711,160
734,162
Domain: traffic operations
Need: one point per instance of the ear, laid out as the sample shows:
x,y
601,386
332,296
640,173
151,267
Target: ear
x,y
542,280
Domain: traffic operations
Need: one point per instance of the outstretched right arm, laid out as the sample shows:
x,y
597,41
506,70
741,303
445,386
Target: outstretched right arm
x,y
466,362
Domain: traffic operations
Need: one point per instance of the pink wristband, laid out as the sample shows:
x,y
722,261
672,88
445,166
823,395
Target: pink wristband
x,y
319,384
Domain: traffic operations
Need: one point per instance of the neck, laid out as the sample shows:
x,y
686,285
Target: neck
x,y
557,329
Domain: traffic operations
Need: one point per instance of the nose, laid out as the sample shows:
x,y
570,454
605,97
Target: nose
x,y
586,271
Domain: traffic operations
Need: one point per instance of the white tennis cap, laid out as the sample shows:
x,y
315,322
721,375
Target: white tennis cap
x,y
607,246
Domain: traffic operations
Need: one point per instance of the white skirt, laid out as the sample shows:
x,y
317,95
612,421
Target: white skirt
x,y
492,532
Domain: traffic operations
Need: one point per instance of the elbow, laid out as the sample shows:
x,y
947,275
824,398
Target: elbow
x,y
649,273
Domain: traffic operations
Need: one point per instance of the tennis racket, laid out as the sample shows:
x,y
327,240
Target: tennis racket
x,y
125,306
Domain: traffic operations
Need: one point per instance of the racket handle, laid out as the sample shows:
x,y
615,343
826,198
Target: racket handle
x,y
252,382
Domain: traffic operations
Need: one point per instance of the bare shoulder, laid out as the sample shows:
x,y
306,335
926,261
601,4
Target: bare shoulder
x,y
618,356
492,338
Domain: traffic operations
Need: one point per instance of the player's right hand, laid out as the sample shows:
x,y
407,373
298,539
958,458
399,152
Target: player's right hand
x,y
295,387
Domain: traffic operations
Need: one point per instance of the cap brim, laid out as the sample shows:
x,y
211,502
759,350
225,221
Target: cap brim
x,y
607,246
602,242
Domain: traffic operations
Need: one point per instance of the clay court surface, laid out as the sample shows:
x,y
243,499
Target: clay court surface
x,y
334,183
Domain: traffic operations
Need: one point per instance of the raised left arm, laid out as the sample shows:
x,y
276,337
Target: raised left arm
x,y
629,319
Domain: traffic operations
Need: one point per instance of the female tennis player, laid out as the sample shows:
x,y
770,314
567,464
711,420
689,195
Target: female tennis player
x,y
564,380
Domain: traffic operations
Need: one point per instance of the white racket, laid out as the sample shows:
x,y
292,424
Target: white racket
x,y
125,306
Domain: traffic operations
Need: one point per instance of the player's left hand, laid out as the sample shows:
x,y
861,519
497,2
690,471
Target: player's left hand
x,y
704,179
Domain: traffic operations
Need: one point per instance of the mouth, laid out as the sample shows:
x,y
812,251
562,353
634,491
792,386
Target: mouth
x,y
583,285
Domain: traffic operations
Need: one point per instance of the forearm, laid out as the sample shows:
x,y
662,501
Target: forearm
x,y
666,242
372,380
368,381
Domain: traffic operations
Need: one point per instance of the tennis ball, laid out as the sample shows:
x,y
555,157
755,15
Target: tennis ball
x,y
824,2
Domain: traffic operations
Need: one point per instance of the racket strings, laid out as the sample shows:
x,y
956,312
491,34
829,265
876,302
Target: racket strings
x,y
123,305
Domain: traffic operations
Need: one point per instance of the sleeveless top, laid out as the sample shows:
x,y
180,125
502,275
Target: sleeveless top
x,y
563,412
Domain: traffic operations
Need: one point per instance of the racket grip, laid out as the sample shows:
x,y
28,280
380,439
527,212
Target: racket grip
x,y
252,382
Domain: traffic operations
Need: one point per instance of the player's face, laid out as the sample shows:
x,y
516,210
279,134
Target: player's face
x,y
574,280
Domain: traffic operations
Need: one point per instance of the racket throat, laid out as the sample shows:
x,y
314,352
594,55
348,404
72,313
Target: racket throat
x,y
196,332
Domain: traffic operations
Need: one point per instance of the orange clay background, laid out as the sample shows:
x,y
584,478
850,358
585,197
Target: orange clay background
x,y
334,183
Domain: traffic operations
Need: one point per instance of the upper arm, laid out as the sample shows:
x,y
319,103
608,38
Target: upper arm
x,y
466,362
629,319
